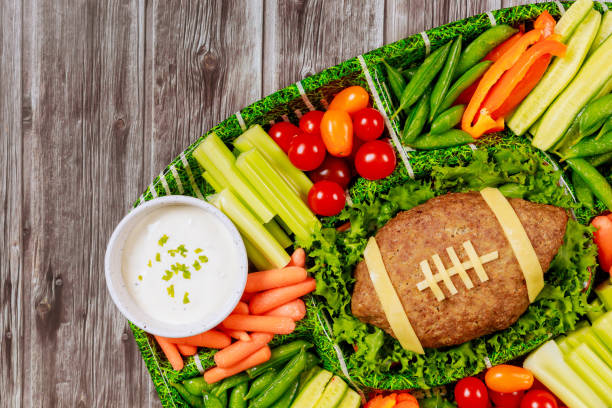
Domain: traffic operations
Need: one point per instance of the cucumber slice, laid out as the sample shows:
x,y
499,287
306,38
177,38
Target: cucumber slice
x,y
593,75
333,394
557,76
310,394
605,29
351,400
572,17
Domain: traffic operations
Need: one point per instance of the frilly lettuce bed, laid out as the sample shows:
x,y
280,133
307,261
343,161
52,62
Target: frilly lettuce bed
x,y
374,359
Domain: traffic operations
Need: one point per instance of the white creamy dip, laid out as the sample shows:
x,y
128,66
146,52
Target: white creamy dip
x,y
193,283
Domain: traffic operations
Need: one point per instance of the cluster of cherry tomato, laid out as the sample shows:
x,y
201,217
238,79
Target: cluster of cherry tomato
x,y
331,144
504,386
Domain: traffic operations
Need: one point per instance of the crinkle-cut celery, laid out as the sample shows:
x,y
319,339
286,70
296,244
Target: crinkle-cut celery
x,y
586,335
549,367
572,18
278,233
593,75
603,329
605,30
250,228
280,197
257,259
557,76
256,137
214,156
604,293
577,361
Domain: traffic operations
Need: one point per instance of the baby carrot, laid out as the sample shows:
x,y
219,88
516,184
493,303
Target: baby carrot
x,y
186,349
171,352
241,308
210,339
246,297
240,350
298,258
264,324
296,310
274,278
235,334
217,373
270,299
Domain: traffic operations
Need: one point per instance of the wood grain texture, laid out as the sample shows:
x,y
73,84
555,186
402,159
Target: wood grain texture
x,y
96,97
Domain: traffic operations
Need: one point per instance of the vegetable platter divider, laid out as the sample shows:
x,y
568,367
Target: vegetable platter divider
x,y
184,176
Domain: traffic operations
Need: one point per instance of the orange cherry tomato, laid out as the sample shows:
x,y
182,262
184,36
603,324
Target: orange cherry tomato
x,y
508,378
337,132
351,99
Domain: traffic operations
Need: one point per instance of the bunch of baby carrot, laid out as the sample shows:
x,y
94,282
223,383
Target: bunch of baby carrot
x,y
270,305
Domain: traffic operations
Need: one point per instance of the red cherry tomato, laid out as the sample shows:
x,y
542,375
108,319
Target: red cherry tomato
x,y
350,99
375,160
368,124
326,198
306,152
337,132
539,399
470,392
333,169
311,122
506,399
283,133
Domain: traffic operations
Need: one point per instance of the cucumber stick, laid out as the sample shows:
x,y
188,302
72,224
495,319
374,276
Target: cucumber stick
x,y
572,17
333,394
605,29
351,400
593,75
310,394
557,76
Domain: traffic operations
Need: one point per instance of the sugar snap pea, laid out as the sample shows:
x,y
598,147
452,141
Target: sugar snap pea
x,y
196,385
260,383
595,115
220,393
237,395
408,73
396,80
211,401
450,138
607,127
463,82
590,147
415,122
283,381
448,119
288,397
600,159
280,355
191,399
231,382
593,179
445,78
481,45
583,192
311,361
306,376
424,75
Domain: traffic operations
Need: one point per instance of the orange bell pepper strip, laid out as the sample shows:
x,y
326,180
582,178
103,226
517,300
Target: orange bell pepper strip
x,y
603,238
382,402
406,400
501,49
545,23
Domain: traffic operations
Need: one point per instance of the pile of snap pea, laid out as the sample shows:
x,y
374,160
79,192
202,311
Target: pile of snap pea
x,y
425,94
274,383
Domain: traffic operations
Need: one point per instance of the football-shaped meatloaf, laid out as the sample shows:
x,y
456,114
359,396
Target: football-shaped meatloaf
x,y
449,221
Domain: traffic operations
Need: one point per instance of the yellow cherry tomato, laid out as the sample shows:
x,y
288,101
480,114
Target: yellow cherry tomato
x,y
337,132
351,99
508,378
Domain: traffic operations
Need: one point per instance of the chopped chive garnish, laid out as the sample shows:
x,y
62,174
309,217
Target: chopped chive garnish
x,y
197,266
163,240
186,274
203,258
185,298
167,276
198,250
158,257
139,277
183,251
171,291
149,263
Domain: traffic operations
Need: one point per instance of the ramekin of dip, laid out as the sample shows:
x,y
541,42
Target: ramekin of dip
x,y
176,266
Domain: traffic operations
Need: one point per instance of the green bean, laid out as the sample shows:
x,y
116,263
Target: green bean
x,y
191,399
415,122
212,401
260,383
600,159
237,395
408,73
424,75
513,190
593,179
448,119
445,78
283,381
463,82
450,138
196,385
595,115
231,382
396,80
590,147
280,355
607,127
288,397
583,192
311,361
482,45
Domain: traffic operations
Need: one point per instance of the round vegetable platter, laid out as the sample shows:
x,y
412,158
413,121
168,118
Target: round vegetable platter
x,y
365,355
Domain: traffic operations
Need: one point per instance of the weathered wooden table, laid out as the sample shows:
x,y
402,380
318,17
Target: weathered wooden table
x,y
96,97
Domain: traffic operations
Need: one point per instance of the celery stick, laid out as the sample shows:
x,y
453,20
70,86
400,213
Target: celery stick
x,y
257,259
603,329
595,72
290,208
605,30
557,76
604,293
564,345
218,160
594,315
257,138
595,343
251,229
278,233
572,18
548,366
592,378
596,363
214,183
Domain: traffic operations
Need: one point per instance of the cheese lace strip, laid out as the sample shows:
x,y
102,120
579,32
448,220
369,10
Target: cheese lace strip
x,y
475,259
458,267
444,273
391,304
519,241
